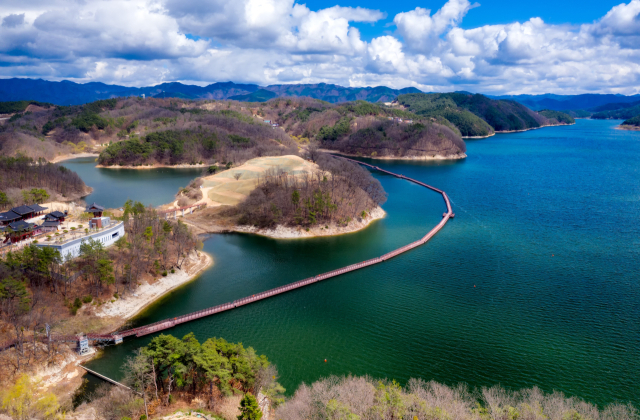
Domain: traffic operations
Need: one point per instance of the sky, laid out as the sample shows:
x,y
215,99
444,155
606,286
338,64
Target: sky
x,y
488,46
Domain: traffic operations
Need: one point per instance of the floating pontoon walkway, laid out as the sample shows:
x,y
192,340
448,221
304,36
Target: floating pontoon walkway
x,y
170,323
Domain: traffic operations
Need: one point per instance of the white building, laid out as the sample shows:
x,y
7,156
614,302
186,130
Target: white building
x,y
107,235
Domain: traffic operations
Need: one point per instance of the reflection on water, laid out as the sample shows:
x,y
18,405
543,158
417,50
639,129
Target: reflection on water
x,y
112,187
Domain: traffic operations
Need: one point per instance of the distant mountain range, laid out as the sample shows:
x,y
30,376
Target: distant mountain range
x,y
70,93
568,102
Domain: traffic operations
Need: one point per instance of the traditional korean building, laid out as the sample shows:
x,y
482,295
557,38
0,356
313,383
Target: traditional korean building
x,y
9,217
20,230
55,215
21,213
95,209
53,220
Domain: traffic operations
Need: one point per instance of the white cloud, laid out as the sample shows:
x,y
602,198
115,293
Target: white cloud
x,y
142,42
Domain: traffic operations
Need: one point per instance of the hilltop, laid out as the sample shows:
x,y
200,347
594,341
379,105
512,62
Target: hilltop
x,y
139,132
480,116
288,197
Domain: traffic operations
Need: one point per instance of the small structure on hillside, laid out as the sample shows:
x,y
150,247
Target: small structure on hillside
x,y
95,209
53,220
98,221
56,215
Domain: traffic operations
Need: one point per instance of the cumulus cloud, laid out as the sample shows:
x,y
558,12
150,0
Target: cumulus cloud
x,y
11,21
421,30
142,42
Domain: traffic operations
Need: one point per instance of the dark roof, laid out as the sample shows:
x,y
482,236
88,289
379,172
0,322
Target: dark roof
x,y
37,207
56,214
21,226
50,223
94,208
22,210
8,216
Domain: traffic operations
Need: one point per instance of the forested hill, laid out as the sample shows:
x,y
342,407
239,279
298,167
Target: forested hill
x,y
479,116
618,114
136,131
634,122
25,181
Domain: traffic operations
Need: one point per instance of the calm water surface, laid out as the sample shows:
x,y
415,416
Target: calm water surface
x,y
112,187
535,281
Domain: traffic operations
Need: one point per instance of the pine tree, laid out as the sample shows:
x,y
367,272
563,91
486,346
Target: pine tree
x,y
249,408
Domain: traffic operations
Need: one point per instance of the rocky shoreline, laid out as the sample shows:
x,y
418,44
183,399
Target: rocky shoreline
x,y
514,131
154,166
62,158
409,158
286,232
628,127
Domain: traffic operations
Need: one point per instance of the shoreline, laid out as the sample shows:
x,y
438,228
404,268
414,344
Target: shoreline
x,y
533,128
627,127
515,131
146,294
62,158
67,373
285,232
409,158
155,166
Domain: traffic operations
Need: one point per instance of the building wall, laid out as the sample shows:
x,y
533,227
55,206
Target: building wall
x,y
107,237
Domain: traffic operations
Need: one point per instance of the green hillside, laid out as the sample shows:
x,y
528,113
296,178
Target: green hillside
x,y
618,114
442,105
635,121
578,113
11,107
478,115
557,116
259,95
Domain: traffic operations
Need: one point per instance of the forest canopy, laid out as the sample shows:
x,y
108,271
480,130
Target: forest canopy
x,y
364,398
635,121
18,174
338,192
477,115
557,117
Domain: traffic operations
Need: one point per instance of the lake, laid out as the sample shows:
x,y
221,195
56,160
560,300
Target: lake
x,y
534,283
112,187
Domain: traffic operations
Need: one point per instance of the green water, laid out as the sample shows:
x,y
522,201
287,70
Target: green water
x,y
112,187
535,281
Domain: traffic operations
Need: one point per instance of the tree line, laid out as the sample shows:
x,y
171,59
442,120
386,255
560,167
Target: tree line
x,y
170,370
38,286
25,174
364,398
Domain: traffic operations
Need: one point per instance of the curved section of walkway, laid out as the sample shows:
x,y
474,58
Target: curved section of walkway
x,y
169,323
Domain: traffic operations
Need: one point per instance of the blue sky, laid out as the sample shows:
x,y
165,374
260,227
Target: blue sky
x,y
495,47
490,12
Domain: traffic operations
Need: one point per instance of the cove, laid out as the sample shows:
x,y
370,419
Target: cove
x,y
112,187
534,283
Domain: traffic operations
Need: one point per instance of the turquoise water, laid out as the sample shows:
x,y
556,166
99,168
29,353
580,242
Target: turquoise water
x,y
112,187
535,281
